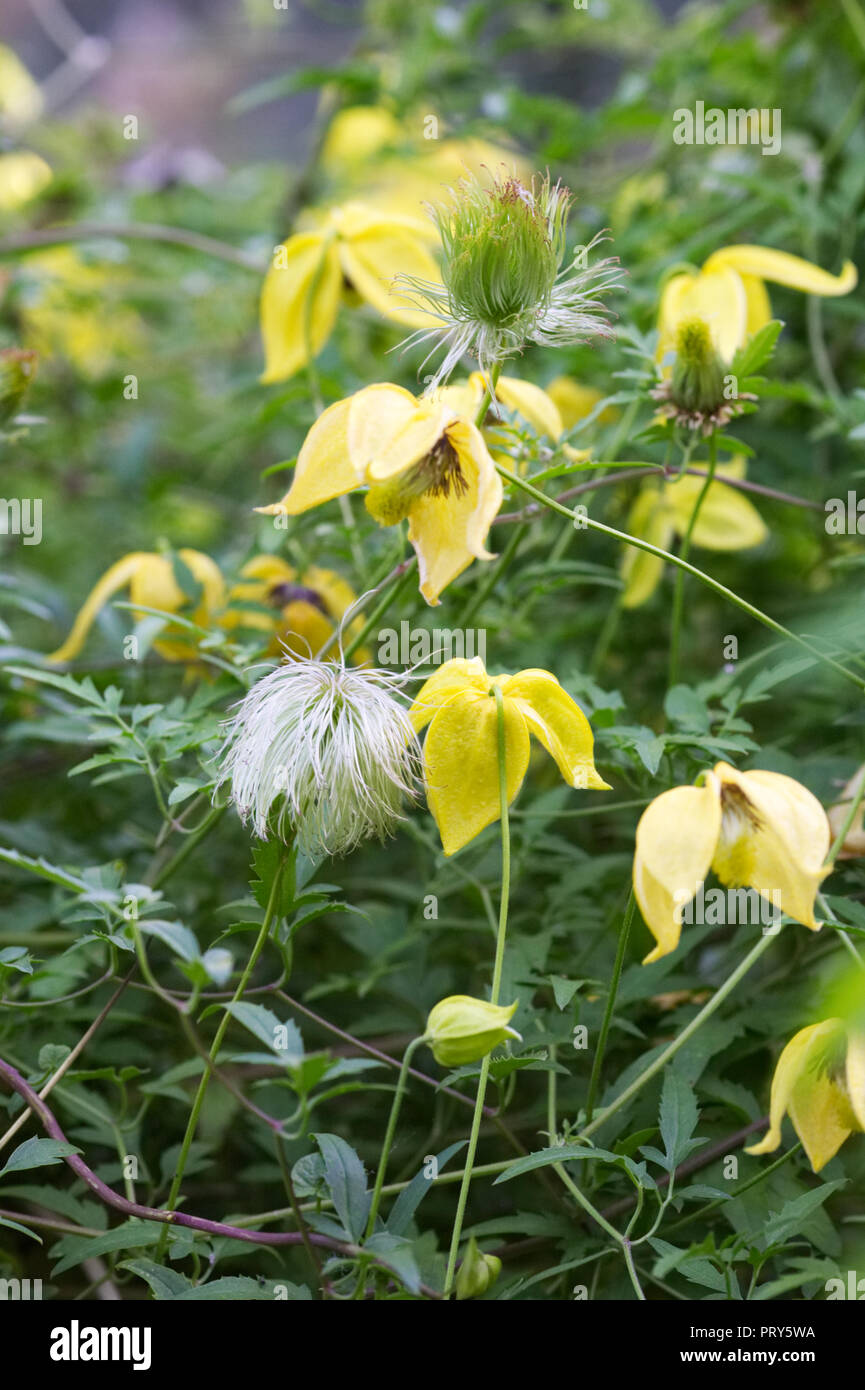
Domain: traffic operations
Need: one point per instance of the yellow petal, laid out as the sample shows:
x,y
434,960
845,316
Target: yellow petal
x,y
114,579
299,302
717,296
795,1075
855,1075
378,413
759,308
374,256
727,520
154,585
574,402
530,402
416,437
451,678
20,96
559,723
303,629
448,532
780,852
461,762
784,269
324,469
357,133
338,596
650,519
676,838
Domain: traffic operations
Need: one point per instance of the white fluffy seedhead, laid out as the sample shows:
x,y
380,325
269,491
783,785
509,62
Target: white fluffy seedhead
x,y
323,750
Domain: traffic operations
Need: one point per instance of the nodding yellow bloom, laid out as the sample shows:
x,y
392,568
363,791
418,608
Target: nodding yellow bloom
x,y
461,749
727,521
757,830
308,606
354,249
23,175
730,294
151,581
820,1083
420,459
528,402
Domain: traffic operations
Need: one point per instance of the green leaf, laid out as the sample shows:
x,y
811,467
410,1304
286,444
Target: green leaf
x,y
283,1039
346,1181
181,940
411,1197
792,1216
678,1118
397,1254
757,351
37,1153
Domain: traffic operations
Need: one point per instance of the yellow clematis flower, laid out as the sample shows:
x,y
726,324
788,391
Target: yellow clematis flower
x,y
420,459
527,401
727,521
151,582
730,295
758,830
461,748
355,248
308,605
23,175
820,1083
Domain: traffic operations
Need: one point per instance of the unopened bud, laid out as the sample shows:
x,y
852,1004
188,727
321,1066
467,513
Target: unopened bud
x,y
461,1029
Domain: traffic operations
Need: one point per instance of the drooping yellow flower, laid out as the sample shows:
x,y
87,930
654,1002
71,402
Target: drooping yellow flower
x,y
23,175
420,459
151,581
356,135
757,830
461,1029
528,402
461,747
820,1083
730,295
305,607
355,248
727,521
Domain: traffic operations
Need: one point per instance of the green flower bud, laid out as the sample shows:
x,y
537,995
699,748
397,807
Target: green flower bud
x,y
698,374
17,368
478,1272
461,1029
502,249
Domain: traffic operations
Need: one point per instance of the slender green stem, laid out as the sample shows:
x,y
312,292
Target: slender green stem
x,y
704,578
857,20
489,395
696,1023
494,992
269,915
295,1207
684,551
393,587
763,1174
389,1134
491,577
189,844
624,933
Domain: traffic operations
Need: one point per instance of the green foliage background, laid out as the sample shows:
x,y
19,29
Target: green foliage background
x,y
184,464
